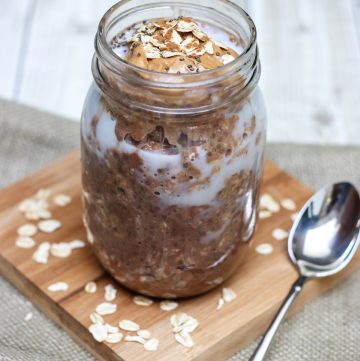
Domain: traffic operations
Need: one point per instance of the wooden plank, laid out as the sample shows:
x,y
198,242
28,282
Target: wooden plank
x,y
311,70
15,22
57,72
261,282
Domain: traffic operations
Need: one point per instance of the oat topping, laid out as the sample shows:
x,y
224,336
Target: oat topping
x,y
58,287
176,46
90,287
280,234
143,301
168,305
264,248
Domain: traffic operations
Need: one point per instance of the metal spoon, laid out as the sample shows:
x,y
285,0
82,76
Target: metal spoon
x,y
322,241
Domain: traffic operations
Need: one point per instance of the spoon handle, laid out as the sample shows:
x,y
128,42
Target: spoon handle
x,y
265,342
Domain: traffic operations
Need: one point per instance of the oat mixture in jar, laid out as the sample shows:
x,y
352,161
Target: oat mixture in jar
x,y
173,135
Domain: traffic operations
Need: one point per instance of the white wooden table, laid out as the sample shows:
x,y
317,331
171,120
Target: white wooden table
x,y
310,51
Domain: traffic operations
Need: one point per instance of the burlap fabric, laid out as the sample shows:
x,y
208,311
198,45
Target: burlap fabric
x,y
327,329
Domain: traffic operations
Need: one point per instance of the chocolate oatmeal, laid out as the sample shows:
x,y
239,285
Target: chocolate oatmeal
x,y
171,174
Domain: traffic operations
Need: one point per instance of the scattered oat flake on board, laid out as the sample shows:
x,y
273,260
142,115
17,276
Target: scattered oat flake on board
x,y
62,200
44,214
288,204
114,337
41,255
25,242
99,332
269,203
77,244
183,322
137,339
128,325
184,339
228,295
220,304
96,318
28,316
145,334
264,248
58,287
61,250
264,214
49,226
43,194
143,301
280,234
106,308
112,329
110,292
168,305
151,345
90,287
27,204
27,230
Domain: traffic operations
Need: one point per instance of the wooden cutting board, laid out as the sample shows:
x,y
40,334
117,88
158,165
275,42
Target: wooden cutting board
x,y
261,283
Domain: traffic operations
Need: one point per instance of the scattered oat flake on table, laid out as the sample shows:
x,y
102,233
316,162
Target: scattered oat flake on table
x,y
77,244
61,250
106,308
25,242
99,332
135,339
184,339
49,226
128,325
288,204
43,194
145,334
228,295
264,214
220,304
58,287
168,305
28,316
183,322
62,200
269,203
96,318
44,214
264,248
114,337
41,255
151,345
27,230
90,287
280,234
110,292
26,205
143,301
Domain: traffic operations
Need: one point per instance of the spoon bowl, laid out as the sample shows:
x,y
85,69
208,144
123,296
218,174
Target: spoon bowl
x,y
322,241
325,234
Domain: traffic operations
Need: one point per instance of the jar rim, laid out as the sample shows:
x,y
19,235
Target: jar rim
x,y
166,80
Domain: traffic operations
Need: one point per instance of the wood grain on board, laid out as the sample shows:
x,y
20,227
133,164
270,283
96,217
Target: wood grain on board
x,y
261,283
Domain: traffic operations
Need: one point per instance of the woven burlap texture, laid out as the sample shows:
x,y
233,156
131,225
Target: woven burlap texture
x,y
327,329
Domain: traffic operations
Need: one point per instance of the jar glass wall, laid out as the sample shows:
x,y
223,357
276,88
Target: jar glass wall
x,y
172,164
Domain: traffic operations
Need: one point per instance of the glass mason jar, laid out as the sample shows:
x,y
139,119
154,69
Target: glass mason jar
x,y
172,163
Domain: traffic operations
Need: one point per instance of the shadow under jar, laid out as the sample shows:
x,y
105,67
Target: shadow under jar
x,y
172,163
